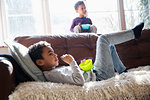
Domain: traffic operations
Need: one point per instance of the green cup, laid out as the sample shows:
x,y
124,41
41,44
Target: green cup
x,y
86,65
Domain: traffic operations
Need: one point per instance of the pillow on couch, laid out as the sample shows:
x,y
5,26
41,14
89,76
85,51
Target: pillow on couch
x,y
20,54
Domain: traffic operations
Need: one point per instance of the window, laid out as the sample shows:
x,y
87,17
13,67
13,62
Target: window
x,y
24,17
61,13
137,11
1,35
1,39
104,15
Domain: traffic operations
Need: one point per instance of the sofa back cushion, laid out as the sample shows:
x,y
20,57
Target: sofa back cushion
x,y
78,45
135,53
132,53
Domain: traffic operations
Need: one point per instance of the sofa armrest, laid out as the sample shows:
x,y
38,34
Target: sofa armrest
x,y
7,81
11,75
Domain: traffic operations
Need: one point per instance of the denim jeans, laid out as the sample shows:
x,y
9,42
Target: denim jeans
x,y
106,56
117,63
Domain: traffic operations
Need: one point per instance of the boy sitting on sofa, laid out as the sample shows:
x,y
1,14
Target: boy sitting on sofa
x,y
80,22
46,59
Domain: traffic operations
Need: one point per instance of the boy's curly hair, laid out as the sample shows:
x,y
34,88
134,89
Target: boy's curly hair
x,y
35,50
77,4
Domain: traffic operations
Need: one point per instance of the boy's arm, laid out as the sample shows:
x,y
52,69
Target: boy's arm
x,y
64,75
76,75
90,21
72,27
73,77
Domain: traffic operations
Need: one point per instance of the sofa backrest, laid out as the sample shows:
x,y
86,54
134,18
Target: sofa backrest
x,y
136,53
78,45
132,53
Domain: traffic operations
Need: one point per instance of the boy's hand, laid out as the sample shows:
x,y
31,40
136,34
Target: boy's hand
x,y
83,60
79,24
67,58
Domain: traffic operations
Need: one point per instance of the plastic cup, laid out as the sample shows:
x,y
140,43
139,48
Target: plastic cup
x,y
86,65
85,26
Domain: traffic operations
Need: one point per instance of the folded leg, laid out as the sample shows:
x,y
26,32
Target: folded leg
x,y
118,65
103,62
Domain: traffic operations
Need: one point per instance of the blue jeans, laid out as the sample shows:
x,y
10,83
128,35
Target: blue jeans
x,y
106,56
118,65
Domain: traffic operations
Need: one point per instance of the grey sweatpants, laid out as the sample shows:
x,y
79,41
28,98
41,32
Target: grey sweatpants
x,y
93,29
104,61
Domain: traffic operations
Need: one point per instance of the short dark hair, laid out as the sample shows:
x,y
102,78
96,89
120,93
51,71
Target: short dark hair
x,y
36,50
77,4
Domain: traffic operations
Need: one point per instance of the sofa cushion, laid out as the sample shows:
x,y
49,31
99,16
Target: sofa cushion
x,y
78,45
20,54
135,53
134,85
132,53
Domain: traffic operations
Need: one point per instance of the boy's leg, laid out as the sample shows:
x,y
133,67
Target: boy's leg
x,y
103,62
77,29
118,65
93,29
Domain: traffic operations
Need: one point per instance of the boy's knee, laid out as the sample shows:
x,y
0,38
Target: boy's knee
x,y
111,47
93,28
103,39
77,29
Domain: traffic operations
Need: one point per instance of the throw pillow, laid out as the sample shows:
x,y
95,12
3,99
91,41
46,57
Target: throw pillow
x,y
20,54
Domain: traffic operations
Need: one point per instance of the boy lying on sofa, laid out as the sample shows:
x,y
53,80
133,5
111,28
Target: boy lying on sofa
x,y
45,58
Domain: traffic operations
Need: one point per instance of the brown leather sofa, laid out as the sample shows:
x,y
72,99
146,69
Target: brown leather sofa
x,y
132,53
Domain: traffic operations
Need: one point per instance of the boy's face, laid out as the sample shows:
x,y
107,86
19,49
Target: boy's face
x,y
81,10
49,60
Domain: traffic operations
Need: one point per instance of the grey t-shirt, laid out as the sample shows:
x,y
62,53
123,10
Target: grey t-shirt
x,y
71,74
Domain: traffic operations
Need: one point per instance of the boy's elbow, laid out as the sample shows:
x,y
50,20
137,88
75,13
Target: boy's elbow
x,y
80,82
71,30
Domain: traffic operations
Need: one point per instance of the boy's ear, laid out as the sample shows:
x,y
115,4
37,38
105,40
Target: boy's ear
x,y
40,62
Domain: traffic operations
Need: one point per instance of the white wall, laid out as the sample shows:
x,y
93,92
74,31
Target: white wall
x,y
4,50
